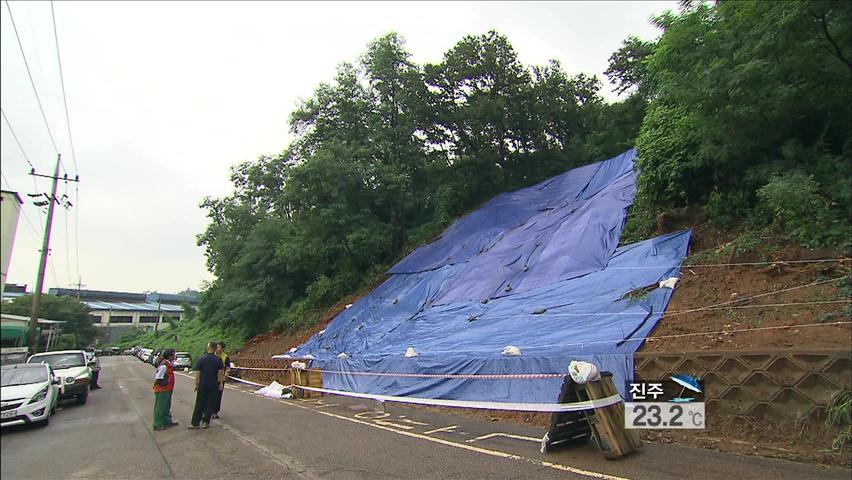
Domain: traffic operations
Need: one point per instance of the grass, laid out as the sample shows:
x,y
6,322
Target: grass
x,y
192,337
839,412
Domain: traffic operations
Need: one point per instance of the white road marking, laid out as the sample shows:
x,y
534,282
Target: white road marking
x,y
485,451
372,415
507,435
391,424
442,429
413,422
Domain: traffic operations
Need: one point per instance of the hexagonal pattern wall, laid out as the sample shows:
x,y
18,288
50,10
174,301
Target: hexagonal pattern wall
x,y
758,386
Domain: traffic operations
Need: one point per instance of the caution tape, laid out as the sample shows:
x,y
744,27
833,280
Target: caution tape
x,y
246,381
438,402
485,405
261,369
477,376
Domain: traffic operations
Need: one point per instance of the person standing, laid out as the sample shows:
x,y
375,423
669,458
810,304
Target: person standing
x,y
164,385
226,361
209,372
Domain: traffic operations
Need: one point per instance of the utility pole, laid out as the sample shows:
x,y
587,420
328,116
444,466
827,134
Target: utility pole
x,y
45,246
79,285
159,316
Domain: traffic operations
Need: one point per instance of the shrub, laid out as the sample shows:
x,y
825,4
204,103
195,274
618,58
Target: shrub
x,y
791,202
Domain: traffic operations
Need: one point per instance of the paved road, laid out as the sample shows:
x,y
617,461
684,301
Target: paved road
x,y
259,438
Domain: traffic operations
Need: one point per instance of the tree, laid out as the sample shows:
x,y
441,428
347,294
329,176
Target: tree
x,y
740,91
628,67
385,155
78,322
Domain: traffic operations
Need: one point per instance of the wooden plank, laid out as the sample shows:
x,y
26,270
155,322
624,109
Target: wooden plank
x,y
632,435
608,422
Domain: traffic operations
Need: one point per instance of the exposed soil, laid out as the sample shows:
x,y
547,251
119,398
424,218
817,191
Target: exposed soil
x,y
271,343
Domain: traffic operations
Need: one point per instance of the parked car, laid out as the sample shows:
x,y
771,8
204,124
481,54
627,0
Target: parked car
x,y
145,355
74,370
183,360
28,394
13,355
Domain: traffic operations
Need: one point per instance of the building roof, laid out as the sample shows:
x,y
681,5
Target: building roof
x,y
14,194
124,297
20,318
15,288
131,306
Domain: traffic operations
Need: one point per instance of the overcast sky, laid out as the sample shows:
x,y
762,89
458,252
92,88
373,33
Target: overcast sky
x,y
164,97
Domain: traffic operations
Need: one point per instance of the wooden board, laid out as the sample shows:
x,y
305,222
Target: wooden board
x,y
607,423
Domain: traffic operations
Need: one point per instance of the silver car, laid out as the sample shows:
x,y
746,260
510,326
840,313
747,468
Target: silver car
x,y
183,361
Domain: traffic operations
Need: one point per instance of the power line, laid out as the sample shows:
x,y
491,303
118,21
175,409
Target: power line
x,y
77,229
67,243
32,82
15,136
62,80
73,150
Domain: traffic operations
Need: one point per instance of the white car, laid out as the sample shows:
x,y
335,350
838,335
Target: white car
x,y
28,394
73,368
183,361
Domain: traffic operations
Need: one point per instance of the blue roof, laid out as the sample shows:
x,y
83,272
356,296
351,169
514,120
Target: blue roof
x,y
132,306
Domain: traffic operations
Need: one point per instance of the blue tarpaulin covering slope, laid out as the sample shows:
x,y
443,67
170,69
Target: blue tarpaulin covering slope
x,y
537,268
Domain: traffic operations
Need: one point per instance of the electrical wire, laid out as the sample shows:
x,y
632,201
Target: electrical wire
x,y
30,75
71,141
15,136
62,81
67,243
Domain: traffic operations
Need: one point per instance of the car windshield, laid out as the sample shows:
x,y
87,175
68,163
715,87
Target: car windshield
x,y
185,357
60,360
22,376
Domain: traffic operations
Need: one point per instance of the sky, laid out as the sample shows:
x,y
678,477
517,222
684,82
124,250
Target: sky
x,y
164,97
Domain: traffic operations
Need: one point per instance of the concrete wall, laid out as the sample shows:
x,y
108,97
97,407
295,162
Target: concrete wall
x,y
766,387
10,208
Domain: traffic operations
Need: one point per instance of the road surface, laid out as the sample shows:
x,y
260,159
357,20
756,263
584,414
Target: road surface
x,y
259,438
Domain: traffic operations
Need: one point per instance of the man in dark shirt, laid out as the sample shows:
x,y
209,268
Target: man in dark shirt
x,y
209,372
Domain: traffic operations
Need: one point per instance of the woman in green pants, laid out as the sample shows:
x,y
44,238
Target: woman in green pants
x,y
164,384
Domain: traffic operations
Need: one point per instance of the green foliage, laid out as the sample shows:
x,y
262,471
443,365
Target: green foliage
x,y
792,202
385,156
740,111
839,412
67,341
749,114
78,324
192,336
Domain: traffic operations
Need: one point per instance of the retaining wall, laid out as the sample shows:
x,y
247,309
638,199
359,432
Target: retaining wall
x,y
769,387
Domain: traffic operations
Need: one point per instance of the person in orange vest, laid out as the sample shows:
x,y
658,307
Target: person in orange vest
x,y
164,385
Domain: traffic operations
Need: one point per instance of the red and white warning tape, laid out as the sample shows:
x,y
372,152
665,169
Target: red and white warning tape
x,y
478,376
438,402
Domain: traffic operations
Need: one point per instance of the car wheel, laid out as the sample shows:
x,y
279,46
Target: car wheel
x,y
81,399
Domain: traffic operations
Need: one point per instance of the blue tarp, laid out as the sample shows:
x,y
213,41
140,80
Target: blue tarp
x,y
537,268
